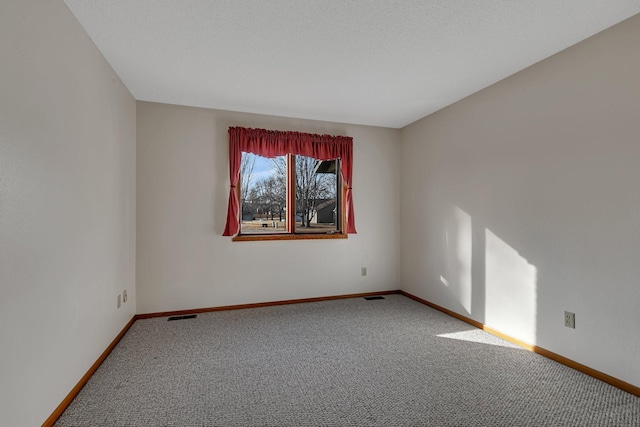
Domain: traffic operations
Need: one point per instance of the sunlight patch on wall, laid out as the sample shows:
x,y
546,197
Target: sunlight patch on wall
x,y
511,290
458,257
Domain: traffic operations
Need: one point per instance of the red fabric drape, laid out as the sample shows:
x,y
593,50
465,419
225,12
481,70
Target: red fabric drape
x,y
235,157
272,143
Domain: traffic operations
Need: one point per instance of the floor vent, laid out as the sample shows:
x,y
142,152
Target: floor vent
x,y
188,316
372,298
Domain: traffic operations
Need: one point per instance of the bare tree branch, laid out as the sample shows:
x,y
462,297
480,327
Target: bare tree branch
x,y
247,165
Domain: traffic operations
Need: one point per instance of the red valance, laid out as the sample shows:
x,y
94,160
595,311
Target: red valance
x,y
273,143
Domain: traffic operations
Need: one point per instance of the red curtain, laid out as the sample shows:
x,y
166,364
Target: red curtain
x,y
272,143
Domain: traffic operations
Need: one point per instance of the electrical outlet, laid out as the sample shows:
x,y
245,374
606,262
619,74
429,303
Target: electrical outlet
x,y
569,320
124,296
363,271
119,300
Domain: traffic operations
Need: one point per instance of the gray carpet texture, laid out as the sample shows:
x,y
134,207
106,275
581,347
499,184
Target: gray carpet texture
x,y
350,362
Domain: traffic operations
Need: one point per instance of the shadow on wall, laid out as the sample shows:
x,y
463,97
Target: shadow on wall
x,y
487,278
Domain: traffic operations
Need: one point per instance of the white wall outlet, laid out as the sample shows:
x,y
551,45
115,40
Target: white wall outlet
x,y
119,300
124,296
569,320
363,271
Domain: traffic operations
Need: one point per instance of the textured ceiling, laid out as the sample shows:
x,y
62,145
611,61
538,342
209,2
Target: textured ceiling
x,y
374,62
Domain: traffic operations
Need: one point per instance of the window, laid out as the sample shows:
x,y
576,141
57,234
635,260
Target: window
x,y
289,185
316,194
269,186
263,194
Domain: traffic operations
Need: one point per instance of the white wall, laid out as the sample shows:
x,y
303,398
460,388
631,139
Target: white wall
x,y
184,262
67,207
522,201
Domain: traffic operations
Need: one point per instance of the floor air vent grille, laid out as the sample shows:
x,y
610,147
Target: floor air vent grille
x,y
188,316
372,298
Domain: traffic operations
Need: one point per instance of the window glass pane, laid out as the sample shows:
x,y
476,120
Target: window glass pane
x,y
263,194
316,188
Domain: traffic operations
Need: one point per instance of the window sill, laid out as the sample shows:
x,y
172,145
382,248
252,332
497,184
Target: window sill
x,y
256,237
